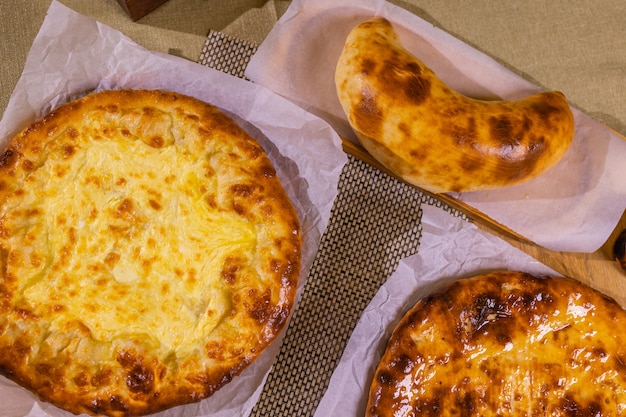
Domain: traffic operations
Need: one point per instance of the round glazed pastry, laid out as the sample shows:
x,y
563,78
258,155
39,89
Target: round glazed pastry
x,y
505,344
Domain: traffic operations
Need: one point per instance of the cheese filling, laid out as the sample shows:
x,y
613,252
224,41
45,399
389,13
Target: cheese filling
x,y
159,279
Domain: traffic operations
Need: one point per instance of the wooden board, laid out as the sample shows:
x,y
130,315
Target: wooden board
x,y
137,9
598,269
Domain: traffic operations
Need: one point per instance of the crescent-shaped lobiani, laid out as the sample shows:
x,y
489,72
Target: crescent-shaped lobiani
x,y
432,136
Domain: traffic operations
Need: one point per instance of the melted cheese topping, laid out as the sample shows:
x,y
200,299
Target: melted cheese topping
x,y
103,256
148,253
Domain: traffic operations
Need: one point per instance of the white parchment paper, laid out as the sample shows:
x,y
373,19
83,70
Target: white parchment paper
x,y
73,54
450,249
574,206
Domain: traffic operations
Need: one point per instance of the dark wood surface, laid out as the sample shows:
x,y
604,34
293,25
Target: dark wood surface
x,y
137,9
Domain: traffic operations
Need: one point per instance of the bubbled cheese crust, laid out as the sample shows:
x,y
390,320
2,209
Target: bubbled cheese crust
x,y
148,253
505,344
434,137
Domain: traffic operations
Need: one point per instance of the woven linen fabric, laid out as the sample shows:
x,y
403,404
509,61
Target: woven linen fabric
x,y
374,223
226,53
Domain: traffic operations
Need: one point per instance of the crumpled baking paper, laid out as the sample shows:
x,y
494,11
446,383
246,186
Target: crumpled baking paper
x,y
574,206
73,54
450,249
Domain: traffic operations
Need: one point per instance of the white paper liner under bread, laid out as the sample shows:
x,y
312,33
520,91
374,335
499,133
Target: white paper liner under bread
x,y
450,249
73,54
574,206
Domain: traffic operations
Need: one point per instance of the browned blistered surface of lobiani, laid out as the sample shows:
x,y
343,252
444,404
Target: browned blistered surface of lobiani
x,y
505,344
148,253
434,137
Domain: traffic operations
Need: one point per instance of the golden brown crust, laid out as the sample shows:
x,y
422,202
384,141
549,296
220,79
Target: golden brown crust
x,y
434,137
505,344
148,253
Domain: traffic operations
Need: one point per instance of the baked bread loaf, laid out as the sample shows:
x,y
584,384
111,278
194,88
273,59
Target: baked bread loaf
x,y
433,137
505,344
148,253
